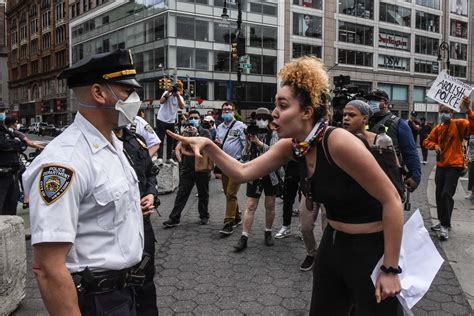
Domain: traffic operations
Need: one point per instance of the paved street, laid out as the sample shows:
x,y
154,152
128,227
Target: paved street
x,y
197,272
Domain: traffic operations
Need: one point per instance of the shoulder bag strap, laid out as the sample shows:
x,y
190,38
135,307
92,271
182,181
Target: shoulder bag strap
x,y
227,134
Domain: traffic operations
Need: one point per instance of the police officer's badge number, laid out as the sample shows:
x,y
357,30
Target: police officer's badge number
x,y
54,181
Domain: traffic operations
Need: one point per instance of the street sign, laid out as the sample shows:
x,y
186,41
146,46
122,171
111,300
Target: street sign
x,y
244,58
246,66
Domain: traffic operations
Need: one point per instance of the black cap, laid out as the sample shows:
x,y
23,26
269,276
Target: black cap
x,y
377,94
413,113
113,67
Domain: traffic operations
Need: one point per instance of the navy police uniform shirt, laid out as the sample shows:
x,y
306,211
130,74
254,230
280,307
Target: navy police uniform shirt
x,y
83,191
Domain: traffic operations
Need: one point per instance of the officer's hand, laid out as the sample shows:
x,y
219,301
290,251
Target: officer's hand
x,y
437,149
466,104
411,184
147,204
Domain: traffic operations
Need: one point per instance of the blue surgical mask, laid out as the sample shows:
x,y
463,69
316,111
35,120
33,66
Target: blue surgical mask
x,y
2,116
444,117
374,106
227,117
194,122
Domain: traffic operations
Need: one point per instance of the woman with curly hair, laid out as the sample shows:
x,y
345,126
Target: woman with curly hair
x,y
364,211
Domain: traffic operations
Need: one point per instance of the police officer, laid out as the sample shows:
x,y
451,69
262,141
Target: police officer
x,y
137,151
86,218
10,149
144,129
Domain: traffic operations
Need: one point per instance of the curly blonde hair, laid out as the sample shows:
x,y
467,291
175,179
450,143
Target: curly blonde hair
x,y
308,73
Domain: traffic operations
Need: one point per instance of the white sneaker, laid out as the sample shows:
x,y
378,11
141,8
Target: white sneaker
x,y
443,235
284,231
159,161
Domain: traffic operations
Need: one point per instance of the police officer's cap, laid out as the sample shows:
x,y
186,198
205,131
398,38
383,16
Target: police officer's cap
x,y
377,94
114,67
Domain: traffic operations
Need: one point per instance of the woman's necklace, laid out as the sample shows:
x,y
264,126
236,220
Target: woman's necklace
x,y
302,148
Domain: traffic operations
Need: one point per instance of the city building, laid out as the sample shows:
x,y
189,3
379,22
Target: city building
x,y
37,52
394,46
187,40
3,59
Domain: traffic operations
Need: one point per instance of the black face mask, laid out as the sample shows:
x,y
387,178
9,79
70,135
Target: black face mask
x,y
206,125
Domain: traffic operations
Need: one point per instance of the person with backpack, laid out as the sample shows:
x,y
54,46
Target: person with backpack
x,y
257,144
400,133
446,139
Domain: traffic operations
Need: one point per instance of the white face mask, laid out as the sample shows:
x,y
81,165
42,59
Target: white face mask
x,y
262,123
128,109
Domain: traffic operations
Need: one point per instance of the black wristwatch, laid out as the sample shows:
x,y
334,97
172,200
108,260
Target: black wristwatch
x,y
391,270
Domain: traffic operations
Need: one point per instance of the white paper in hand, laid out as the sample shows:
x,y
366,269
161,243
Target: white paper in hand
x,y
419,260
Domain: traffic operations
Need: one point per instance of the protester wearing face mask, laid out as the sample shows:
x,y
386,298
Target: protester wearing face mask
x,y
231,139
86,217
446,139
189,176
256,145
208,124
399,132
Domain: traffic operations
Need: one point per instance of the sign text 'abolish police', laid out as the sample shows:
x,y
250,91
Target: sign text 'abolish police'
x,y
449,91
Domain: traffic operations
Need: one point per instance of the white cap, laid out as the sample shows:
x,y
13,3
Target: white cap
x,y
208,118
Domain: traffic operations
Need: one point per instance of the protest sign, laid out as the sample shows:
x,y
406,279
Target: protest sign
x,y
449,91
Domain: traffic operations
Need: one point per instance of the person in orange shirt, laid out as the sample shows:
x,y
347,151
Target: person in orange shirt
x,y
446,139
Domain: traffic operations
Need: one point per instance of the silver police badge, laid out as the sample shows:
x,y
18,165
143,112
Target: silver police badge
x,y
54,181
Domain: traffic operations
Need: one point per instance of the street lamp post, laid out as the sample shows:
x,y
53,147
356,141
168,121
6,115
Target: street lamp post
x,y
239,38
445,47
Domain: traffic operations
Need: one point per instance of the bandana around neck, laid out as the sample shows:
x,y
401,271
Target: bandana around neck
x,y
302,148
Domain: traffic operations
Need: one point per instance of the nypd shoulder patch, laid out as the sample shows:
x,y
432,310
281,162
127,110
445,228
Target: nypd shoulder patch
x,y
54,181
149,129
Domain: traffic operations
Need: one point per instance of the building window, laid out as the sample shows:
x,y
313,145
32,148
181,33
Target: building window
x,y
201,90
394,40
359,8
24,71
195,1
459,7
395,14
394,63
154,59
429,3
351,57
427,22
23,51
316,4
265,9
426,45
46,41
155,29
60,34
220,90
185,57
222,33
202,59
395,92
34,25
426,66
269,65
307,25
458,29
34,46
458,51
22,32
46,63
356,34
34,67
306,50
221,61
363,86
458,71
46,19
193,29
61,59
263,36
60,11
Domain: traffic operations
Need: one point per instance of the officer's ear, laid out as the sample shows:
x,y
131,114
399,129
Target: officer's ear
x,y
98,93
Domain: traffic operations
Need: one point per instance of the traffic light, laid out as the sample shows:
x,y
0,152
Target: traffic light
x,y
234,52
167,84
162,83
192,85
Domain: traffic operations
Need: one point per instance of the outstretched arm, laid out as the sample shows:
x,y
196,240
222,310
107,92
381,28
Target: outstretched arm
x,y
277,156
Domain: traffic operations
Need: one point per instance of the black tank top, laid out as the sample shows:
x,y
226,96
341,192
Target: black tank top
x,y
345,199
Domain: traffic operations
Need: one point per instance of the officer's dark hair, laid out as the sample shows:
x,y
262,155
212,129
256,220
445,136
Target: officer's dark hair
x,y
10,120
228,103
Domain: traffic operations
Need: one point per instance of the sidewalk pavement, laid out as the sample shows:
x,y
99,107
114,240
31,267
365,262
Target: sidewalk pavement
x,y
459,248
